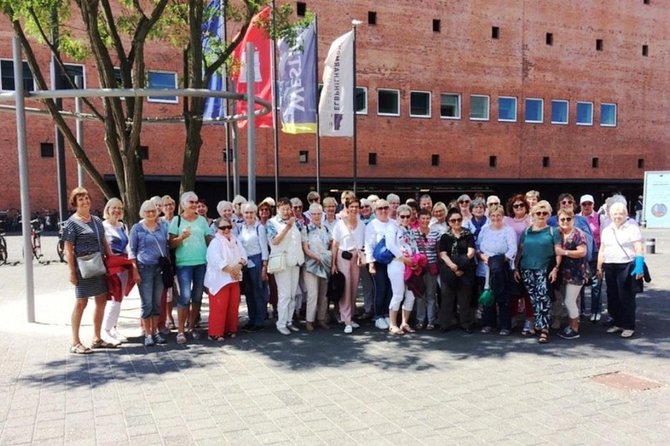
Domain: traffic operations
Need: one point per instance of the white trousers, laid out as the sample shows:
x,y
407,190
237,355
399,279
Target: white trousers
x,y
287,285
396,272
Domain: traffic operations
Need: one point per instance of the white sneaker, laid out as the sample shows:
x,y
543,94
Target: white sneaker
x,y
148,341
348,329
292,327
388,321
118,336
355,325
107,337
283,330
381,324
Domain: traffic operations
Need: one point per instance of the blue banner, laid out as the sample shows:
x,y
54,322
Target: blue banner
x,y
297,83
212,35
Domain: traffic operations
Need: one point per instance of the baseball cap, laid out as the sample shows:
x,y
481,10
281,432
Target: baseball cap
x,y
586,198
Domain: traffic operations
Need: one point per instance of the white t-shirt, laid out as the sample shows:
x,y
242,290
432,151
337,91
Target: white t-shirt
x,y
349,240
618,245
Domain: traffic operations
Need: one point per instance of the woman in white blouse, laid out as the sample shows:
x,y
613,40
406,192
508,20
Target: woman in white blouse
x,y
348,242
225,260
251,234
316,242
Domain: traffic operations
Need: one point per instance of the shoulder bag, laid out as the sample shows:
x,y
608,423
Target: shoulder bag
x,y
92,265
167,274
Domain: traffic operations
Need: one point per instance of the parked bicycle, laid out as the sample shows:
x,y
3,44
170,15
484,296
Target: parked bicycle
x,y
60,246
3,248
36,226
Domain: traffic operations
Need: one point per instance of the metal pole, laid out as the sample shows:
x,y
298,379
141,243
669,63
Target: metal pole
x,y
234,130
23,177
224,24
354,24
59,139
275,112
316,95
251,122
79,129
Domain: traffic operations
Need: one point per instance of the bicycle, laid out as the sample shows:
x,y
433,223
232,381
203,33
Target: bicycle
x,y
3,248
60,246
36,237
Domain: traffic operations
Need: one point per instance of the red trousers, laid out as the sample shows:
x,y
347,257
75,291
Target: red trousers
x,y
224,308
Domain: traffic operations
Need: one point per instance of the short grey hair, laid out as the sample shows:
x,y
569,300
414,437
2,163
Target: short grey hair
x,y
249,206
617,206
222,205
186,197
295,201
239,199
147,205
404,208
111,202
315,207
392,197
157,200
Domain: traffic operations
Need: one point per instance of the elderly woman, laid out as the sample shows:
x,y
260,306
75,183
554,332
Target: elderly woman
x,y
225,260
532,197
573,273
348,242
374,232
479,218
538,246
189,236
225,209
518,218
253,238
393,201
237,218
426,241
286,248
330,211
400,241
439,222
496,250
456,249
119,281
621,260
84,235
148,243
316,243
465,205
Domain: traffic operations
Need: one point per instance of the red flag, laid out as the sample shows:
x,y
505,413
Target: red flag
x,y
262,66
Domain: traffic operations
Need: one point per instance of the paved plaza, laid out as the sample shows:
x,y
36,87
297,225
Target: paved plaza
x,y
327,387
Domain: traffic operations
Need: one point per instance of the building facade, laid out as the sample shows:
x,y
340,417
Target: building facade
x,y
478,95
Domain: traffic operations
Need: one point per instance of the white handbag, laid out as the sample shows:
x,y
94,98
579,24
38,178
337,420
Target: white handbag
x,y
276,262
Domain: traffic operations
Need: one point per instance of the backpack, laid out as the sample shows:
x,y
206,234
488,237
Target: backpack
x,y
381,253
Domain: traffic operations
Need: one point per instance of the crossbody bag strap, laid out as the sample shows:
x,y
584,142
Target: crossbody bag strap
x,y
618,243
156,240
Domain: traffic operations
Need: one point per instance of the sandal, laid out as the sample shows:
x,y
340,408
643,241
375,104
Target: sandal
x,y
419,325
397,331
407,329
430,327
102,344
544,338
216,338
80,349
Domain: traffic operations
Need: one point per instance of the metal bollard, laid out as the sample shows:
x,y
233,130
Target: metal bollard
x,y
650,246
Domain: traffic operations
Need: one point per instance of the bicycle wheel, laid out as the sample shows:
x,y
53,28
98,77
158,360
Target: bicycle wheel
x,y
60,250
3,251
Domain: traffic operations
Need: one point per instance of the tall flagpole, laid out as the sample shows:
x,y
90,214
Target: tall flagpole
x,y
275,115
316,95
354,24
226,103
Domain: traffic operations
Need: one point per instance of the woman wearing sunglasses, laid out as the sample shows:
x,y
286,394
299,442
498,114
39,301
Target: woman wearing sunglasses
x,y
539,245
456,249
225,260
573,272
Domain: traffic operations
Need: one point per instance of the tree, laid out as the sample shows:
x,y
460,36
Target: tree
x,y
115,34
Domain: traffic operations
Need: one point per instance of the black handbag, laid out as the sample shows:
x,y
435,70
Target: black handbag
x,y
335,288
167,274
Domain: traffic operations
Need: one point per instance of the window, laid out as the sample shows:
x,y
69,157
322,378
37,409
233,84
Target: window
x,y
47,150
534,111
493,161
435,159
640,163
301,9
73,71
372,18
608,115
646,2
7,76
645,50
584,113
495,32
162,79
436,25
479,108
144,152
388,102
419,104
372,159
599,44
559,111
594,162
303,157
550,39
450,106
545,161
507,109
361,100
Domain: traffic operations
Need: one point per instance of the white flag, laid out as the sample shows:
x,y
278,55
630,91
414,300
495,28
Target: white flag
x,y
336,105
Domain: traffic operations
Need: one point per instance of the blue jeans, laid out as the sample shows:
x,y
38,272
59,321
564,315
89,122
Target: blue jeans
x,y
254,289
150,288
191,284
596,287
382,290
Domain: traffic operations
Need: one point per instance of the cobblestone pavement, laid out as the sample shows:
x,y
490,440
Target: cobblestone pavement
x,y
328,387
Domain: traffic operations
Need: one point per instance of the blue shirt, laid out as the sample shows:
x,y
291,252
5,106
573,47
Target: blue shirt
x,y
148,246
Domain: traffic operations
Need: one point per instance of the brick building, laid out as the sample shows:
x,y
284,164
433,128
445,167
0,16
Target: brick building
x,y
455,95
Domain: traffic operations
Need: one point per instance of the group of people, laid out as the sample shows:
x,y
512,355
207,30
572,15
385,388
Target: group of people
x,y
418,265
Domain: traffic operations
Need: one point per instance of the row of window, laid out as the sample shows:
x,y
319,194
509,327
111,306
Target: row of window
x,y
388,104
155,79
